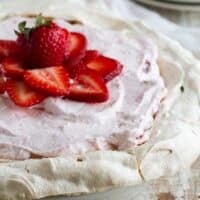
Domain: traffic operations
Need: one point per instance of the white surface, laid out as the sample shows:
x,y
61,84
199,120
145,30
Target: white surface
x,y
174,5
188,37
185,60
186,1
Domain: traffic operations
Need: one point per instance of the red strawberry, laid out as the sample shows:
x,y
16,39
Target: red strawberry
x,y
108,68
52,80
12,67
8,48
46,44
88,87
90,55
2,84
21,94
74,70
76,46
22,42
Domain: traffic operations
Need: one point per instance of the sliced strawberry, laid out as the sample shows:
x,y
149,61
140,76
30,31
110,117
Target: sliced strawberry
x,y
108,68
74,70
12,67
88,87
90,55
52,80
21,94
2,84
76,48
8,48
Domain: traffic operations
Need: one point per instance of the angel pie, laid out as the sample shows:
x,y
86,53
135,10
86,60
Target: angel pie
x,y
74,89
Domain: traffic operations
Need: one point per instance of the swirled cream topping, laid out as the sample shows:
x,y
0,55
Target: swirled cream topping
x,y
59,126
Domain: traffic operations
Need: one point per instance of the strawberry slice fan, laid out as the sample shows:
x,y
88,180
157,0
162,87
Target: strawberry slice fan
x,y
49,61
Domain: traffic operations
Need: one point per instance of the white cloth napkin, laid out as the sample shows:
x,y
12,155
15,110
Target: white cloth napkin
x,y
189,37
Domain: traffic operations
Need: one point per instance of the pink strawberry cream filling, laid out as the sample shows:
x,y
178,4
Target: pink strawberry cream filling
x,y
61,126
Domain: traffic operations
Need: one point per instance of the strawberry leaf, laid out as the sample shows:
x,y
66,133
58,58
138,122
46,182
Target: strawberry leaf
x,y
27,32
41,21
23,29
17,32
22,26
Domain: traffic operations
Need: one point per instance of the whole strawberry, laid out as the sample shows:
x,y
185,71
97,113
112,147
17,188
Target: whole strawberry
x,y
46,43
